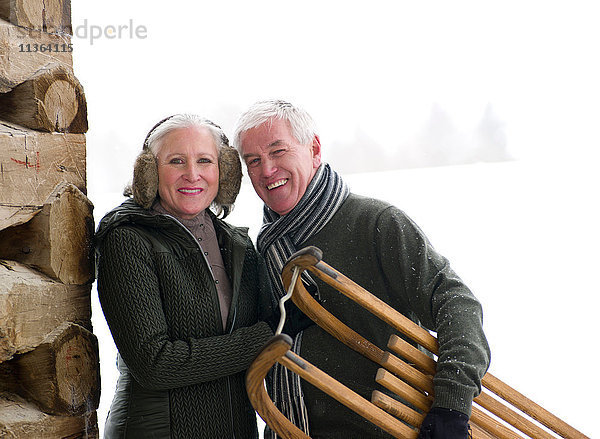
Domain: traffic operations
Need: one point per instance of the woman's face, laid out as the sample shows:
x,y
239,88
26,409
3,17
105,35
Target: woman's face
x,y
188,171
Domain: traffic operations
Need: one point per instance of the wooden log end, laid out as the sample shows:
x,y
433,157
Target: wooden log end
x,y
33,305
71,228
52,16
51,100
21,419
58,240
62,375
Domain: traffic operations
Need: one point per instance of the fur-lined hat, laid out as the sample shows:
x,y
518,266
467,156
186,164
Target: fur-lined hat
x,y
144,187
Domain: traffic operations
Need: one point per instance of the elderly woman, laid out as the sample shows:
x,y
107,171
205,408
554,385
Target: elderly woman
x,y
180,291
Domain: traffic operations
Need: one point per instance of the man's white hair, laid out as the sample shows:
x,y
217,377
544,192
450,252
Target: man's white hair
x,y
302,125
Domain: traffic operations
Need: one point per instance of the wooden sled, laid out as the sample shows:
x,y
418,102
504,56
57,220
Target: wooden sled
x,y
498,412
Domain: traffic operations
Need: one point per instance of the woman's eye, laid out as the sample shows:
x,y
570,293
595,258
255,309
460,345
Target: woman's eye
x,y
176,161
204,160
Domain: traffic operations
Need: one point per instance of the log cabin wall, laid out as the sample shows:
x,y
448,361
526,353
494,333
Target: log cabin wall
x,y
49,364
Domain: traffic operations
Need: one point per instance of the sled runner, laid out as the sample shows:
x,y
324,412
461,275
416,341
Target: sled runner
x,y
498,412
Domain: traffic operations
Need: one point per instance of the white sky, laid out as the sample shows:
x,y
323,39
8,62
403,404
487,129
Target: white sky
x,y
380,69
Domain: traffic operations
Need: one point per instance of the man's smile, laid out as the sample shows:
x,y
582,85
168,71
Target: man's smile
x,y
277,184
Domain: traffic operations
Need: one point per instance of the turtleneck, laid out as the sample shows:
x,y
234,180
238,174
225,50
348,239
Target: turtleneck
x,y
203,229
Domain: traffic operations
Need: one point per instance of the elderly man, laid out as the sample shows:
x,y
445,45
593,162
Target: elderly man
x,y
376,245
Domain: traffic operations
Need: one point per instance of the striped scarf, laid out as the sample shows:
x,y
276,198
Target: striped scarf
x,y
278,239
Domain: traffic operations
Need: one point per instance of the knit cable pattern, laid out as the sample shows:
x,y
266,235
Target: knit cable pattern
x,y
162,309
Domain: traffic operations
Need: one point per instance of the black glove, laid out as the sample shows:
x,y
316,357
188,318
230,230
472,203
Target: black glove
x,y
441,423
295,320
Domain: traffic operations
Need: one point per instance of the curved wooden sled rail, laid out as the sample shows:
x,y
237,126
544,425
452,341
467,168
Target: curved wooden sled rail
x,y
412,382
277,350
268,356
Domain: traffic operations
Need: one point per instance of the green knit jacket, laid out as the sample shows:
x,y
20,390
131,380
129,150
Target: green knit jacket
x,y
380,248
182,375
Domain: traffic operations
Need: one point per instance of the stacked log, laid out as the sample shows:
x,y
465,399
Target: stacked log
x,y
49,365
56,240
50,100
51,16
23,55
32,164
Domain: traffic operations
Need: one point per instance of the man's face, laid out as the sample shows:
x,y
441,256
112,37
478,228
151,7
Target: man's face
x,y
279,167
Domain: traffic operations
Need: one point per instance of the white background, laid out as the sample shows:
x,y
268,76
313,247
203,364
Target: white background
x,y
501,96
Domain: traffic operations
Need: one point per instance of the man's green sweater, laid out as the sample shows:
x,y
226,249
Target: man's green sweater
x,y
380,248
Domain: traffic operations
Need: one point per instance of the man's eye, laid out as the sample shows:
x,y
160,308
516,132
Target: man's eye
x,y
278,152
253,162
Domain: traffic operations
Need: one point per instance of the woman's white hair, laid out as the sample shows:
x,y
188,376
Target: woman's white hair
x,y
302,125
177,121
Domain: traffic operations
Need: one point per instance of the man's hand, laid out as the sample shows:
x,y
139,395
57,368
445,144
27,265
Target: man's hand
x,y
441,423
295,321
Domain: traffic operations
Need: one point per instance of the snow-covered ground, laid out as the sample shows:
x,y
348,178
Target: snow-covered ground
x,y
523,235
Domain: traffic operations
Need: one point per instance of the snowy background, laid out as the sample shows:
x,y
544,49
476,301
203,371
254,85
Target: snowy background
x,y
479,119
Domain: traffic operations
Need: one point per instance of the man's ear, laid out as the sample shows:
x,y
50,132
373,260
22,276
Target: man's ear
x,y
316,151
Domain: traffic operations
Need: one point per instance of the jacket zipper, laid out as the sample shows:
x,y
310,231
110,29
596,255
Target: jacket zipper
x,y
212,274
229,382
232,320
230,407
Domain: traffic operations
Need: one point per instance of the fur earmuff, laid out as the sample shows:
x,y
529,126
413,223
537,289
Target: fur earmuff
x,y
230,176
145,179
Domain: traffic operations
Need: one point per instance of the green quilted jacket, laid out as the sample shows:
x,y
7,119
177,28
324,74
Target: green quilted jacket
x,y
181,374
